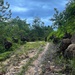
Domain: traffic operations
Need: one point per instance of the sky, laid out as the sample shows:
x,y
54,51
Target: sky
x,y
29,9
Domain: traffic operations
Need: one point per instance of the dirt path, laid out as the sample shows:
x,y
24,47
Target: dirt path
x,y
14,64
35,69
18,62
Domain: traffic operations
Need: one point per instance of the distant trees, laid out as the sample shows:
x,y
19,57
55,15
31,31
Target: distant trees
x,y
39,30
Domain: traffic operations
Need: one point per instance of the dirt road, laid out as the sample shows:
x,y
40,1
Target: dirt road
x,y
44,63
16,62
35,69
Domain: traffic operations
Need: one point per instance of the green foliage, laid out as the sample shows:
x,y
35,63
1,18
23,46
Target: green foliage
x,y
5,55
72,65
58,19
65,20
39,29
58,33
52,33
16,29
3,15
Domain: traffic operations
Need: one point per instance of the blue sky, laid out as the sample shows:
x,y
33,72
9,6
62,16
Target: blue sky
x,y
28,9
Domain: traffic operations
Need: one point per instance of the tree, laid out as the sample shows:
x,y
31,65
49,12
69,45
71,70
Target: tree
x,y
40,31
65,21
58,19
19,27
3,15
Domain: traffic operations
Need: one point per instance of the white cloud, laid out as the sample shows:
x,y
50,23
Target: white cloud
x,y
47,7
63,3
47,21
19,9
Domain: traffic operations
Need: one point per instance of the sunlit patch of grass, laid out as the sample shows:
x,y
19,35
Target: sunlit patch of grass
x,y
31,46
9,53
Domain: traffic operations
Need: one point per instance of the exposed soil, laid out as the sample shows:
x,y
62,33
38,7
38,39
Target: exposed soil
x,y
14,68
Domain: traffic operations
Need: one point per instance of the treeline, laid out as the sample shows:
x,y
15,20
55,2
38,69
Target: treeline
x,y
18,28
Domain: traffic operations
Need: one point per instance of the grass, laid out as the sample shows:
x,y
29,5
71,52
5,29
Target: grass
x,y
34,45
72,65
30,46
69,65
5,55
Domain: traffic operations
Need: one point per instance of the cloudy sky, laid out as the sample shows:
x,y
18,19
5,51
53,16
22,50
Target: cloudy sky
x,y
28,9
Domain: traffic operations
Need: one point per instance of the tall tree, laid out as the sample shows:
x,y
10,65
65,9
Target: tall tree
x,y
58,19
3,18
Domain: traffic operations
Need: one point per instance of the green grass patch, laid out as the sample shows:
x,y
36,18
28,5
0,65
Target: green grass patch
x,y
5,55
30,46
33,45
